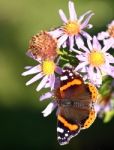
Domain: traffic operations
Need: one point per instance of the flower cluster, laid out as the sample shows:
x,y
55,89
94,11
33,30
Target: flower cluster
x,y
70,43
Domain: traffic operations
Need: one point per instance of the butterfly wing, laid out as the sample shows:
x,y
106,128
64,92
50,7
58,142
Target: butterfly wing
x,y
66,130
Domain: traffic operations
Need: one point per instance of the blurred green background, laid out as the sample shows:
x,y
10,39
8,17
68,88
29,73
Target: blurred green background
x,y
22,125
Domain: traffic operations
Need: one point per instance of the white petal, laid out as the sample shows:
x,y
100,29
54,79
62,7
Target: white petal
x,y
32,70
72,12
42,83
47,111
28,67
63,16
62,39
35,78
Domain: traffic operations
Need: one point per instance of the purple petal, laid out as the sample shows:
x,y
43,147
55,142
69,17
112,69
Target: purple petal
x,y
48,110
57,83
109,57
97,108
63,16
94,77
111,24
29,54
106,68
86,35
103,35
89,44
58,70
35,78
113,46
72,12
82,17
71,41
32,70
79,41
96,44
64,44
42,83
62,39
112,72
108,44
85,23
90,70
46,96
52,81
81,58
81,65
56,33
85,49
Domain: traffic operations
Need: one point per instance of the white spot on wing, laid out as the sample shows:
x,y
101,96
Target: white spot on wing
x,y
70,74
66,134
60,130
64,78
59,137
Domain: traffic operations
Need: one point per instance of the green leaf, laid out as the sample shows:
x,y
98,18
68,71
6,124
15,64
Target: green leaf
x,y
108,116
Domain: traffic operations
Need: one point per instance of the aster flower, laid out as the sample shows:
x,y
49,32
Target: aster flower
x,y
42,46
105,107
107,35
70,32
95,61
46,71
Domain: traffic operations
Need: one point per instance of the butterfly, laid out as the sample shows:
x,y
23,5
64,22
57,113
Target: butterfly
x,y
76,100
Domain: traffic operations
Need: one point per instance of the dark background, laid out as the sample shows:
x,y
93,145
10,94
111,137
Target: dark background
x,y
22,125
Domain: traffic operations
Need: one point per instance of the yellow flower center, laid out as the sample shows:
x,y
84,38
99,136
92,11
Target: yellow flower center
x,y
71,28
48,67
111,31
96,58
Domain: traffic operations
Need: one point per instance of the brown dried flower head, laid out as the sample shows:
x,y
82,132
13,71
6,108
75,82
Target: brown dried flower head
x,y
111,31
43,46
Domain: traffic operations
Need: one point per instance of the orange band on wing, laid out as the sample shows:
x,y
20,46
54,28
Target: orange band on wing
x,y
72,127
90,120
74,82
94,92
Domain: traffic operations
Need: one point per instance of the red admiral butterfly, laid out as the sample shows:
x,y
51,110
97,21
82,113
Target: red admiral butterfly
x,y
75,100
